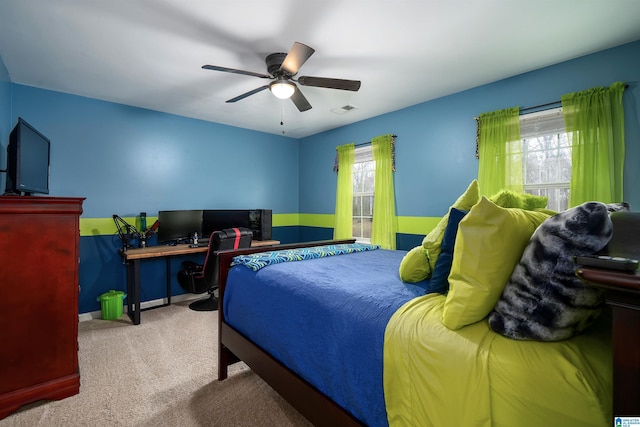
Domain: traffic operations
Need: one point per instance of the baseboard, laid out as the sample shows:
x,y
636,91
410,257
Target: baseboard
x,y
83,317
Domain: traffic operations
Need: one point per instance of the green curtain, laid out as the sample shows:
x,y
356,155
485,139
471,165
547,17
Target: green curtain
x,y
384,212
594,120
499,151
343,227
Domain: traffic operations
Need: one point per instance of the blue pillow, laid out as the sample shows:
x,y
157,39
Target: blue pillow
x,y
439,279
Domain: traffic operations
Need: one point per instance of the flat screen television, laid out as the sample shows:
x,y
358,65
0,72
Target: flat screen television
x,y
28,156
179,226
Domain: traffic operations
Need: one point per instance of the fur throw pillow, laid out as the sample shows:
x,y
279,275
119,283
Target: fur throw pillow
x,y
618,207
544,300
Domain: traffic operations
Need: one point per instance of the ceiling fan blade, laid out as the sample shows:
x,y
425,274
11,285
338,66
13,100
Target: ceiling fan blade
x,y
251,92
234,71
300,101
352,85
298,55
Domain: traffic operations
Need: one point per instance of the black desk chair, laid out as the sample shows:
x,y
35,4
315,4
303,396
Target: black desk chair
x,y
197,279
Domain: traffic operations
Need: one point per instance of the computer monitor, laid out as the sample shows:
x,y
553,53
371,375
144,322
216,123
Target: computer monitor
x,y
216,220
179,226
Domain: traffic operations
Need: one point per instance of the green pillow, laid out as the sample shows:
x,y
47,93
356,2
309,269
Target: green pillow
x,y
532,202
513,199
414,267
508,199
433,240
488,246
546,211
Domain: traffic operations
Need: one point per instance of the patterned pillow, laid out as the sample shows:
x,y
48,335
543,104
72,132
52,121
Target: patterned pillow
x,y
543,299
260,260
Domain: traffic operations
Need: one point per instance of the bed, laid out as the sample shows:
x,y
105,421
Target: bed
x,y
304,327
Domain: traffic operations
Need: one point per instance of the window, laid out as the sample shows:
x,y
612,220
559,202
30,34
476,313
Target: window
x,y
364,169
546,157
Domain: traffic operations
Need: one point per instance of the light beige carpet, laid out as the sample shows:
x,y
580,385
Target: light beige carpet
x,y
159,373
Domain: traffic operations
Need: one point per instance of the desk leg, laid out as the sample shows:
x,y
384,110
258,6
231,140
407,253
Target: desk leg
x,y
168,281
136,284
133,291
129,289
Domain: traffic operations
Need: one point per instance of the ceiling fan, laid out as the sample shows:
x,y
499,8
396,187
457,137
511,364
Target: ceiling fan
x,y
281,68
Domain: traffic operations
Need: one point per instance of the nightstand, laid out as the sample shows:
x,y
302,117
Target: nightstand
x,y
622,293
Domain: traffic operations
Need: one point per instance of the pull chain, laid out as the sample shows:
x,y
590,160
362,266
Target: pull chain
x,y
282,116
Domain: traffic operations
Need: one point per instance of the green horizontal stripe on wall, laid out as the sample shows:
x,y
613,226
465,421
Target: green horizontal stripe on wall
x,y
316,220
105,226
285,220
406,224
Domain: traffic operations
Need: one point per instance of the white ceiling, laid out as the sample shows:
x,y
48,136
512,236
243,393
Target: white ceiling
x,y
149,53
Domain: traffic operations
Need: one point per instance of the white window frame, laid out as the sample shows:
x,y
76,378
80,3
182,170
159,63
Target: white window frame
x,y
541,124
362,154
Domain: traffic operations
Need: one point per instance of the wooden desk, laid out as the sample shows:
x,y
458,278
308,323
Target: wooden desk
x,y
622,293
132,259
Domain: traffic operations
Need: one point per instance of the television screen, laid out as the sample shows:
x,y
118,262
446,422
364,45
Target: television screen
x,y
27,160
179,226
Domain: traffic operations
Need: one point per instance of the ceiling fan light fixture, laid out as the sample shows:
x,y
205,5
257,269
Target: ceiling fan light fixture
x,y
282,88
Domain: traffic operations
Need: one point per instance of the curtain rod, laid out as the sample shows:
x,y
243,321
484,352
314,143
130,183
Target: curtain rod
x,y
369,142
542,106
548,104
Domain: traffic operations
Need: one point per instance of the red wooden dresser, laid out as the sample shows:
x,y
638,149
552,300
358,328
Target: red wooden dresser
x,y
39,255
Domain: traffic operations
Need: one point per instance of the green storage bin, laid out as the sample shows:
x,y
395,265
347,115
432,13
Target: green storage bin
x,y
111,304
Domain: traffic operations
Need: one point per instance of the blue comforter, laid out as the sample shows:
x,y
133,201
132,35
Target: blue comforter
x,y
325,319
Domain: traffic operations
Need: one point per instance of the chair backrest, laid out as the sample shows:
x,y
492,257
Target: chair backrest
x,y
229,238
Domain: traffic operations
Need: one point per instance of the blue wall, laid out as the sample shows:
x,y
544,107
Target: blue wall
x,y
435,150
125,160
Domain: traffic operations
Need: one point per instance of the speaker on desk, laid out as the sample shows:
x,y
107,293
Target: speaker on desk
x,y
260,223
265,217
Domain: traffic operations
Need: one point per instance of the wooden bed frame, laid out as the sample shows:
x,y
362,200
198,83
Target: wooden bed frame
x,y
622,292
233,347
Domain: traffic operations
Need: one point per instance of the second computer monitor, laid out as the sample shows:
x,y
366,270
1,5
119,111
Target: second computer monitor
x,y
216,220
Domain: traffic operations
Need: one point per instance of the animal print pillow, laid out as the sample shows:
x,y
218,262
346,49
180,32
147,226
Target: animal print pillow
x,y
544,300
618,207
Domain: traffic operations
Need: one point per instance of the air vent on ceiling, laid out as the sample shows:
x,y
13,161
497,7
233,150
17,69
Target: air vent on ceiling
x,y
343,109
